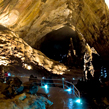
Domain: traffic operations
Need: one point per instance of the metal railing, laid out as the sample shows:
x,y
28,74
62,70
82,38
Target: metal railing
x,y
61,83
56,83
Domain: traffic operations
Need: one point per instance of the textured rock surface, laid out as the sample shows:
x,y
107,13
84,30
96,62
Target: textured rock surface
x,y
12,96
33,19
25,101
13,50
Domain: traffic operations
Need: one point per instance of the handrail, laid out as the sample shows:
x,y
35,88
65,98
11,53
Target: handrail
x,y
63,83
72,86
76,91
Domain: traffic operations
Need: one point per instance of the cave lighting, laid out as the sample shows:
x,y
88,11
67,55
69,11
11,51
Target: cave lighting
x,y
78,101
46,86
73,78
29,67
70,103
69,89
61,73
107,2
9,74
46,89
63,78
43,77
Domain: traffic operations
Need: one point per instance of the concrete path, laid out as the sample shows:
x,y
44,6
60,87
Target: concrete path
x,y
61,98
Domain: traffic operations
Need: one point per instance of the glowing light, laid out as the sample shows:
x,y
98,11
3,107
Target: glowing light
x,y
13,75
105,75
78,100
29,67
9,74
69,89
43,77
46,86
73,78
70,103
61,73
63,78
46,89
107,2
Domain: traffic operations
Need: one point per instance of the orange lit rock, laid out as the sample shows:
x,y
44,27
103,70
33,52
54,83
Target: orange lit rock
x,y
14,48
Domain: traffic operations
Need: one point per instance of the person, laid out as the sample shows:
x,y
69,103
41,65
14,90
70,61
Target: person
x,y
6,76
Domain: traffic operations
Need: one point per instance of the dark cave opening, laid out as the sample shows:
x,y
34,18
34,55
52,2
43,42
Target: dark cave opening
x,y
55,44
97,61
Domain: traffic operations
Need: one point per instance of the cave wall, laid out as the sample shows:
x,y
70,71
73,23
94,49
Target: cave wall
x,y
15,51
32,20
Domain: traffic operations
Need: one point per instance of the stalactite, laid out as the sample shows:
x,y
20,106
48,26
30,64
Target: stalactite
x,y
88,66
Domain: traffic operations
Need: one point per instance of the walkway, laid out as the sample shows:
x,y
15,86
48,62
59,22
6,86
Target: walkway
x,y
61,98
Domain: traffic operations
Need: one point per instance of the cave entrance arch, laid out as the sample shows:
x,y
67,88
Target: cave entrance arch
x,y
55,44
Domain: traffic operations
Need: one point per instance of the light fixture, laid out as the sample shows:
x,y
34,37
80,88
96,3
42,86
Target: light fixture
x,y
69,89
46,86
9,74
63,78
78,101
46,89
29,67
73,78
43,77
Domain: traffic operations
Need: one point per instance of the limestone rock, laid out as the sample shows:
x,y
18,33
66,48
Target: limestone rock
x,y
16,51
24,101
33,19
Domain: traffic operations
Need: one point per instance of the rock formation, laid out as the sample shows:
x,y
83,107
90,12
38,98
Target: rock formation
x,y
16,51
17,95
24,25
23,101
31,20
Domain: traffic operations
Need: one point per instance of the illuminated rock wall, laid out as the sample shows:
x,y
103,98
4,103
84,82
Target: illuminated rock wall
x,y
13,49
33,19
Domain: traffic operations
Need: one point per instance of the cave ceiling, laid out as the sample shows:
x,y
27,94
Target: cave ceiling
x,y
32,20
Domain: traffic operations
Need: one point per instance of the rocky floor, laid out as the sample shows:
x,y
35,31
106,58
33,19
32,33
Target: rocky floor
x,y
24,101
15,95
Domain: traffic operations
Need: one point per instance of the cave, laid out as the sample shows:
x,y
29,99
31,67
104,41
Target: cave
x,y
56,44
66,40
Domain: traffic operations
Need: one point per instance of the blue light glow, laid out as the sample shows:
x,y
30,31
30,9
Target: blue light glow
x,y
63,78
43,77
46,86
70,103
9,74
69,89
78,101
73,78
105,75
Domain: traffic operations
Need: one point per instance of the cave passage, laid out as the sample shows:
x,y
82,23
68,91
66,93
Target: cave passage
x,y
55,44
